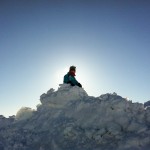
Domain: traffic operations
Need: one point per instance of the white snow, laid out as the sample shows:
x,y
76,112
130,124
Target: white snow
x,y
24,113
62,96
69,119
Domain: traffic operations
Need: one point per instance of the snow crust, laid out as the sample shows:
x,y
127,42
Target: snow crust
x,y
69,119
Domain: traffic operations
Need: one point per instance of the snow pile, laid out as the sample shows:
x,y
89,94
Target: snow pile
x,y
4,122
64,95
24,113
69,119
147,104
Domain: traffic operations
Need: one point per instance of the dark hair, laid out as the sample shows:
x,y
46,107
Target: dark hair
x,y
72,68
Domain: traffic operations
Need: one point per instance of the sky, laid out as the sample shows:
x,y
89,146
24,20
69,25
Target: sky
x,y
108,41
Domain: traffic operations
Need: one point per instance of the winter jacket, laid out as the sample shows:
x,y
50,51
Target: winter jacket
x,y
70,79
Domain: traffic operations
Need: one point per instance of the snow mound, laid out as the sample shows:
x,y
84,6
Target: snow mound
x,y
147,104
69,119
24,113
63,95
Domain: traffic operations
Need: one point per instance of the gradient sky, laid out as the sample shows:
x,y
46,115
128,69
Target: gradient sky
x,y
108,41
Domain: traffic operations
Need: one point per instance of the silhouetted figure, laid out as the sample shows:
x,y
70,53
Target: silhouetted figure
x,y
69,78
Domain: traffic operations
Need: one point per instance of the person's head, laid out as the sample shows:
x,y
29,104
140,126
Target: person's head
x,y
72,69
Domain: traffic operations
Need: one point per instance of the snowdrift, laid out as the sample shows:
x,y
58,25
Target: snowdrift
x,y
24,113
69,119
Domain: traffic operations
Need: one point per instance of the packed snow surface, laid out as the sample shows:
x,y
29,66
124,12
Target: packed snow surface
x,y
69,119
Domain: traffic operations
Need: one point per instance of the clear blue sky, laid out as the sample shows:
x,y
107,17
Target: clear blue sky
x,y
108,41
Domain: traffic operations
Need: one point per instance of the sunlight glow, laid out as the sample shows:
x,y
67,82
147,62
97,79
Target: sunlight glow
x,y
81,76
60,75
